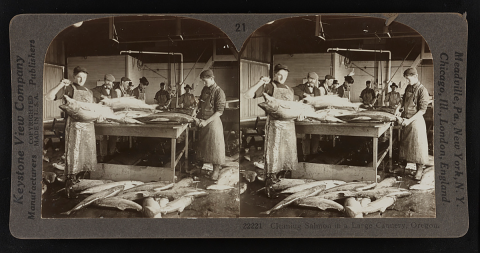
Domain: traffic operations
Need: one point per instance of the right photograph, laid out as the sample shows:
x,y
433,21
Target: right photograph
x,y
336,120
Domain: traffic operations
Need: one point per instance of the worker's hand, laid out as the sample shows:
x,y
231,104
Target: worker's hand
x,y
301,117
203,123
265,79
65,82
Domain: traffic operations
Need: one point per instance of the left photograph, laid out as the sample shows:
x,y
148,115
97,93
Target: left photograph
x,y
141,119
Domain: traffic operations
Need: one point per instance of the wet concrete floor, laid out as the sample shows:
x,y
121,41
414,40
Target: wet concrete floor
x,y
420,204
224,203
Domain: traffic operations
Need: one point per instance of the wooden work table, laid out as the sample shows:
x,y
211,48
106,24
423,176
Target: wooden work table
x,y
343,172
119,172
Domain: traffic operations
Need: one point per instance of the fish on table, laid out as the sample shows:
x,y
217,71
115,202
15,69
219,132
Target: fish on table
x,y
329,101
110,192
118,203
369,116
299,195
168,116
127,103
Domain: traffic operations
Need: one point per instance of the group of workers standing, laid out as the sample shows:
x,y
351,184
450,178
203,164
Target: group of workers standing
x,y
280,152
80,140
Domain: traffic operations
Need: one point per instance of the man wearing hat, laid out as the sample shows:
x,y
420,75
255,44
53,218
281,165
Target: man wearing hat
x,y
187,100
122,89
326,85
80,146
211,147
344,90
414,144
310,142
393,98
162,97
105,90
139,91
280,139
368,96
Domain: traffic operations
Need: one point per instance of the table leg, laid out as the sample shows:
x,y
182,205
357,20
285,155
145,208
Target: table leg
x,y
390,141
186,145
375,156
172,157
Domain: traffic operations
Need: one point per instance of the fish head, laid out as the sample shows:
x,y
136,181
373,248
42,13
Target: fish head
x,y
270,105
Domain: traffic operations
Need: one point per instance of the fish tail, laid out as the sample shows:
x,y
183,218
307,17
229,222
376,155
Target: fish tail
x,y
266,212
67,212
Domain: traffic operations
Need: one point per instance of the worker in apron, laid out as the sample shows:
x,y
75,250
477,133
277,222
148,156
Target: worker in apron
x,y
280,151
414,144
162,97
80,148
393,98
368,96
187,100
211,143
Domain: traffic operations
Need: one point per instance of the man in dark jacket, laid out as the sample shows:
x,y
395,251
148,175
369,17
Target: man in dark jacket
x,y
344,90
104,91
139,91
368,96
310,142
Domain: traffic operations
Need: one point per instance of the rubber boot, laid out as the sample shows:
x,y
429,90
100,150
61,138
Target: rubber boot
x,y
69,182
269,182
216,171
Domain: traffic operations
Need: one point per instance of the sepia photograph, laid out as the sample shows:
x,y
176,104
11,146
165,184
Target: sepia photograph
x,y
140,119
336,119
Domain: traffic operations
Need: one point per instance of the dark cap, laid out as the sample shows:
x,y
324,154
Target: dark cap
x,y
144,81
162,84
312,75
125,79
187,87
335,81
79,69
109,77
206,74
349,79
329,77
410,72
394,84
279,67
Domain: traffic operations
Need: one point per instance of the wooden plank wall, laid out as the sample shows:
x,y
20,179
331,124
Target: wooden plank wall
x,y
300,64
52,75
56,53
257,49
250,73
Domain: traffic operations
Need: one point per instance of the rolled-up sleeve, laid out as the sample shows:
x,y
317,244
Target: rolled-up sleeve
x,y
267,88
68,90
423,98
220,101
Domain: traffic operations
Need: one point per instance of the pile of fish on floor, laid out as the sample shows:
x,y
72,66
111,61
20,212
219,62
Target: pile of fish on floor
x,y
125,110
359,197
154,196
327,109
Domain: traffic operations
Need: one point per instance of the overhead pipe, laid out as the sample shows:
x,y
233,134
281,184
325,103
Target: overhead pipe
x,y
370,51
161,53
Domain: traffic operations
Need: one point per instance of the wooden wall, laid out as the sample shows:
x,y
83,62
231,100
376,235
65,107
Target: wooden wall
x,y
257,49
250,73
52,75
56,53
300,64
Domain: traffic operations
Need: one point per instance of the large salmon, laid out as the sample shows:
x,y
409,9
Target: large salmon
x,y
149,187
379,205
119,203
127,103
177,205
387,182
333,195
377,193
319,202
89,112
99,188
88,183
328,184
347,187
299,195
169,116
284,110
94,197
369,116
353,208
329,101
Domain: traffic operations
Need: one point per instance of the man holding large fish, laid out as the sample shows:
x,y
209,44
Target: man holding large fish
x,y
280,138
80,148
414,144
211,146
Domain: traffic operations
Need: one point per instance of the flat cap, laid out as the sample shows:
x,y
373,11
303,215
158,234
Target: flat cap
x,y
79,69
109,77
206,74
279,67
410,72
